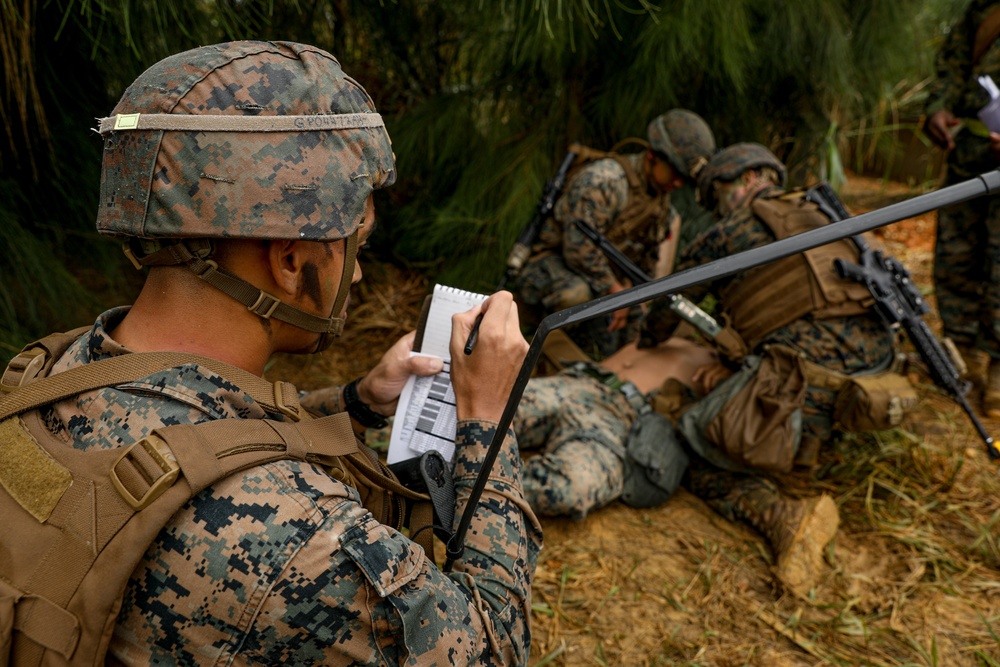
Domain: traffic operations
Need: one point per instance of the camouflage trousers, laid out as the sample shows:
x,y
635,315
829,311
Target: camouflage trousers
x,y
580,425
967,254
547,285
967,273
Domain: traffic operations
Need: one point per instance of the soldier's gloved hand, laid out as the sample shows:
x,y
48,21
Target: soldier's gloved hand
x,y
938,128
482,380
380,389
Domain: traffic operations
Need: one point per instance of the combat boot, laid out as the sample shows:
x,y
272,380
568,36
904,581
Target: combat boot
x,y
797,529
991,394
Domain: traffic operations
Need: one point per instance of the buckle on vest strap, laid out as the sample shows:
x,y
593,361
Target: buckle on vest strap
x,y
286,399
23,368
139,454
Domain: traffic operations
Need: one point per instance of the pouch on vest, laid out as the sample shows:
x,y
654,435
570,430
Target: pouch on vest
x,y
752,420
874,402
654,461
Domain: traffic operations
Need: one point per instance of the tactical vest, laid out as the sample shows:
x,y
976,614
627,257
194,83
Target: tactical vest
x,y
642,222
77,523
802,285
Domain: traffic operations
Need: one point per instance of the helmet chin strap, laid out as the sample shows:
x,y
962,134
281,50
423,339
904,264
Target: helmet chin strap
x,y
350,260
194,255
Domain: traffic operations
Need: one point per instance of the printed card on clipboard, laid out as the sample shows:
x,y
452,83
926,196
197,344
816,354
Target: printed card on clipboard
x,y
426,417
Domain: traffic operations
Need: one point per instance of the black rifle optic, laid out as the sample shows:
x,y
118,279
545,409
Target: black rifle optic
x,y
988,183
522,247
684,307
900,304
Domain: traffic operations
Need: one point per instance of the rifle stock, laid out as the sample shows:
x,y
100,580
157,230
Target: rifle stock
x,y
522,247
987,183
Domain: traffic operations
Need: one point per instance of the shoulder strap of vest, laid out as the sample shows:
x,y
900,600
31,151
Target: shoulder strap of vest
x,y
36,358
273,396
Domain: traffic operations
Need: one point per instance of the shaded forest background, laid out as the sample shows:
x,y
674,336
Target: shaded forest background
x,y
480,97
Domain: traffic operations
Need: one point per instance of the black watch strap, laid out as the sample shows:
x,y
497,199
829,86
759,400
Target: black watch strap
x,y
358,410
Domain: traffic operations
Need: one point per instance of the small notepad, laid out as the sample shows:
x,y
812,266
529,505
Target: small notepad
x,y
426,418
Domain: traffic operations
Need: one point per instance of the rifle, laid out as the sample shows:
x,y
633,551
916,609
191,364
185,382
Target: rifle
x,y
900,304
684,307
984,184
522,247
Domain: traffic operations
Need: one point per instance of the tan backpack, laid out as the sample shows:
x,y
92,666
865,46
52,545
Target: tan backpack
x,y
76,523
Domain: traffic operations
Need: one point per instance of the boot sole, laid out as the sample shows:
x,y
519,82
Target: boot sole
x,y
799,567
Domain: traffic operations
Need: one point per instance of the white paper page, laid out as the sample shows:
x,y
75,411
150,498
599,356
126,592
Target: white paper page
x,y
447,301
426,417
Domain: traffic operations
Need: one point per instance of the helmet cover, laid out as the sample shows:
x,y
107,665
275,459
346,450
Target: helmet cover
x,y
308,184
729,163
684,138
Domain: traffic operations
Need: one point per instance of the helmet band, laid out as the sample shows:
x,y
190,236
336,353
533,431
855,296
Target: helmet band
x,y
220,123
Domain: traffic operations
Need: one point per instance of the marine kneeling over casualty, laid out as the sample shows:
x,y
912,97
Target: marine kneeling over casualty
x,y
626,197
164,504
803,351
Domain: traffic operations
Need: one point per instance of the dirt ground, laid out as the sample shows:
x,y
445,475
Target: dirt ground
x,y
913,576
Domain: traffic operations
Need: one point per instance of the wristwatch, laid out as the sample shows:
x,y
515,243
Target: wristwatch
x,y
359,410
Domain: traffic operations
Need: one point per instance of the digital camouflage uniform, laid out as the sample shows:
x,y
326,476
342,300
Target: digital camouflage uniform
x,y
580,423
967,251
567,269
849,345
279,564
578,271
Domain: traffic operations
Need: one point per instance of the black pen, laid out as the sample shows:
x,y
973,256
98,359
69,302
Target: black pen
x,y
470,343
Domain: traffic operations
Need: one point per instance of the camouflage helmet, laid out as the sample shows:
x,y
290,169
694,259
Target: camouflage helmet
x,y
684,138
730,162
263,140
246,139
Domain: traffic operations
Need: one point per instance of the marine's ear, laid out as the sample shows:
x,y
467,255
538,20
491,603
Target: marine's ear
x,y
286,261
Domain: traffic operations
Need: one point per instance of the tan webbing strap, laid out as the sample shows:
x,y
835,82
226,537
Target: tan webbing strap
x,y
36,359
346,278
986,34
274,397
207,452
47,624
729,342
220,123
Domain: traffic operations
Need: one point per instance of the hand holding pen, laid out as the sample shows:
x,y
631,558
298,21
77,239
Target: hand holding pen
x,y
470,342
482,381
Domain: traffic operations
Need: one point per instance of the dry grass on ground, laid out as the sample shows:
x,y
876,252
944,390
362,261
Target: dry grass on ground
x,y
913,576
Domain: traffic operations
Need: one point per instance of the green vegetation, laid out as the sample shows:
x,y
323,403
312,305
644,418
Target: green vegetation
x,y
481,99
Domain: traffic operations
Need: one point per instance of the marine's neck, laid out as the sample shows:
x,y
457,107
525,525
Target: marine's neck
x,y
172,314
